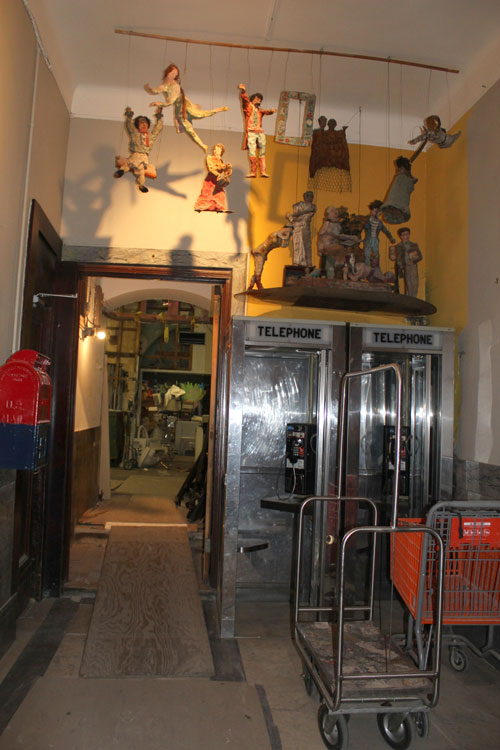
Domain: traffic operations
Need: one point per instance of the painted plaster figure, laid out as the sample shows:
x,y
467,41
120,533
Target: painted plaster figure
x,y
354,270
332,243
300,218
184,111
432,132
373,226
280,238
396,207
140,144
406,255
254,138
213,193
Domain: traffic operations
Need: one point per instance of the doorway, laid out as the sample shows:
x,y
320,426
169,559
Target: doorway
x,y
151,386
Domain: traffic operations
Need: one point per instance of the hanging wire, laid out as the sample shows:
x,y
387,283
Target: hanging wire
x,y
122,131
211,79
285,71
359,163
388,126
268,75
249,71
185,59
428,103
401,104
226,98
160,137
449,101
319,87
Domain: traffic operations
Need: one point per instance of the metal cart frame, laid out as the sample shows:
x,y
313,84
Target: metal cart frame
x,y
387,683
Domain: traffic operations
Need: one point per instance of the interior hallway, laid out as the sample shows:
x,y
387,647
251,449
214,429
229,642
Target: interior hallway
x,y
40,677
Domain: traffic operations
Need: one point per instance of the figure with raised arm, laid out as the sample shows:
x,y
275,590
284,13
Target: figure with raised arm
x,y
140,144
184,111
255,138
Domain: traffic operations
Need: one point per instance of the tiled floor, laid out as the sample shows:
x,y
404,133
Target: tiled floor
x,y
263,653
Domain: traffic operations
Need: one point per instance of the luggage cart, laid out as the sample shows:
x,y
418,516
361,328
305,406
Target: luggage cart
x,y
471,596
355,665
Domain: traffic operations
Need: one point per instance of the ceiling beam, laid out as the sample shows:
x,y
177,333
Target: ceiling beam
x,y
322,52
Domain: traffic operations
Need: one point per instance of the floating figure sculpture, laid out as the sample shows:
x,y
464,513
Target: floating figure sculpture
x,y
279,238
184,111
300,218
396,207
254,138
432,132
333,244
140,144
373,226
213,191
406,255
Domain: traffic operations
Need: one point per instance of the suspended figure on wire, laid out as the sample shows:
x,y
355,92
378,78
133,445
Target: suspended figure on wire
x,y
254,138
184,111
140,144
396,207
213,191
432,132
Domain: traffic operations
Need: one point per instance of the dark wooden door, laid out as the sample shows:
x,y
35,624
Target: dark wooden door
x,y
49,325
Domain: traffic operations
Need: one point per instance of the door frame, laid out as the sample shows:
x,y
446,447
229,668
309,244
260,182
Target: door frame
x,y
221,278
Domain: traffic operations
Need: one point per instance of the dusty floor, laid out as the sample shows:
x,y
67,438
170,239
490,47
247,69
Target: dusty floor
x,y
262,655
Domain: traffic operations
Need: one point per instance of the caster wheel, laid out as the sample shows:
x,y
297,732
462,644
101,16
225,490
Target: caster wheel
x,y
333,729
397,732
421,719
457,658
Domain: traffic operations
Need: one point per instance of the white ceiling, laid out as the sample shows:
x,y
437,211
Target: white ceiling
x,y
99,72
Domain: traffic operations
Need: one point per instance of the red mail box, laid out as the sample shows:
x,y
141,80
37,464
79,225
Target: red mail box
x,y
25,394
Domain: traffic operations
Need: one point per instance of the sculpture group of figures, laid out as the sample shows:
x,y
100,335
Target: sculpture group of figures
x,y
339,247
340,235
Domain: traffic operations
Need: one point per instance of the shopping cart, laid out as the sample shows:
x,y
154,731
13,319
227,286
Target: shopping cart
x,y
471,595
355,663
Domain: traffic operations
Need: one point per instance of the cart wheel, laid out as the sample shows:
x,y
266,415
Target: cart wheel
x,y
396,732
333,729
421,719
457,659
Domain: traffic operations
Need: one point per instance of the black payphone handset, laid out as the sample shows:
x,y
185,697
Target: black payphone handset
x,y
300,454
390,459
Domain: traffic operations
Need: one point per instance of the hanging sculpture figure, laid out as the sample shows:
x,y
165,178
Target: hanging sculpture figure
x,y
279,238
213,191
432,132
396,207
255,138
184,110
140,144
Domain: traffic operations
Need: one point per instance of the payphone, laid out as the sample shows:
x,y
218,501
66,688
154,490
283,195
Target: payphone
x,y
300,467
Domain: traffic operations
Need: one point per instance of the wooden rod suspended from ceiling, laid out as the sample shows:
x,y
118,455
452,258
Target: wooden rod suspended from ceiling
x,y
287,49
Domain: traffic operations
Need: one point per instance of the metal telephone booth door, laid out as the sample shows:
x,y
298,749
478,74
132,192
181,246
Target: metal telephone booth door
x,y
426,358
283,381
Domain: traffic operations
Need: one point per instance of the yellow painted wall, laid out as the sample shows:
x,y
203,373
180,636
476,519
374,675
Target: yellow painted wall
x,y
446,243
372,170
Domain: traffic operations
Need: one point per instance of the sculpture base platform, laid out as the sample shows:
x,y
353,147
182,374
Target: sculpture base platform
x,y
331,294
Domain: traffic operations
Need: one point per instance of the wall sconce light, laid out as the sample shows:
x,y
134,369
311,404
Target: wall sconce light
x,y
100,333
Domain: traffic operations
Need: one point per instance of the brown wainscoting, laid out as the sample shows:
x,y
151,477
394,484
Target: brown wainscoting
x,y
85,478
